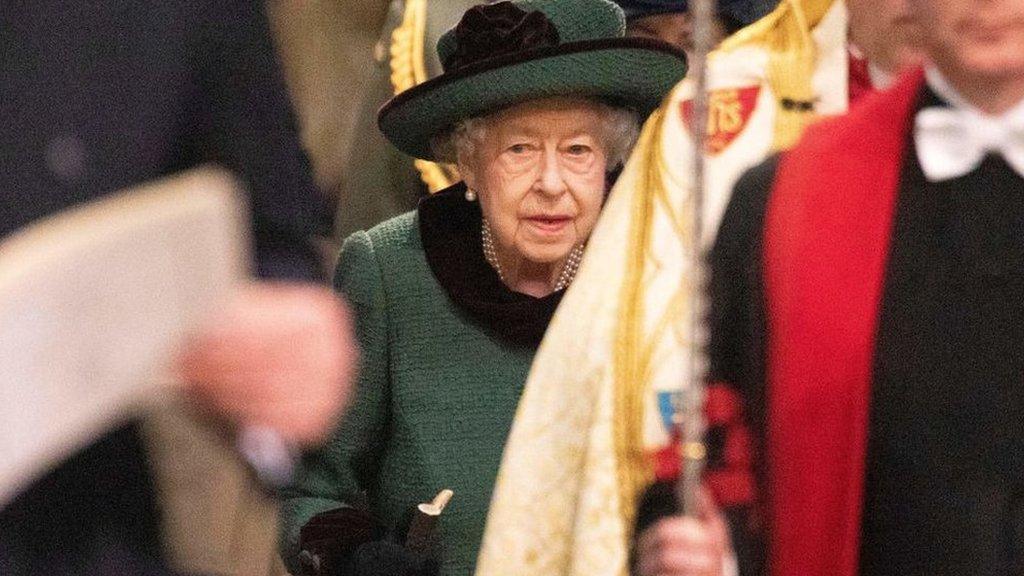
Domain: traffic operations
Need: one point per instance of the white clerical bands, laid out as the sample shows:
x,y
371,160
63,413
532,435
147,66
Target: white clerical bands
x,y
952,142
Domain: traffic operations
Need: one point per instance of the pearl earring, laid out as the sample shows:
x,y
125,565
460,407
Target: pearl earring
x,y
470,195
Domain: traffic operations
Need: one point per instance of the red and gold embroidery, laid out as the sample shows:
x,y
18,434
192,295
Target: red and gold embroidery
x,y
729,110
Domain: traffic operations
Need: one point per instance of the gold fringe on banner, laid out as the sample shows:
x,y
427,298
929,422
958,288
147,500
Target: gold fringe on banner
x,y
631,356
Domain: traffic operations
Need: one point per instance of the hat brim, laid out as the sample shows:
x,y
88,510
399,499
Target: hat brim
x,y
631,72
637,13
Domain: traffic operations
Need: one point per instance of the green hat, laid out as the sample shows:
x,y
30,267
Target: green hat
x,y
510,52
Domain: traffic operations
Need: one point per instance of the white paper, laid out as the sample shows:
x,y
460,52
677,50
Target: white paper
x,y
93,304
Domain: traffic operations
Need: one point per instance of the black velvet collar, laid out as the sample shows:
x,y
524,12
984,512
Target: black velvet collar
x,y
450,232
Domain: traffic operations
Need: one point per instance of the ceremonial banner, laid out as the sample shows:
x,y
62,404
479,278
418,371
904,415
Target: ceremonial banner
x,y
93,303
599,396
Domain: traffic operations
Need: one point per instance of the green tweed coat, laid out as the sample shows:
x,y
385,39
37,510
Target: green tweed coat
x,y
435,401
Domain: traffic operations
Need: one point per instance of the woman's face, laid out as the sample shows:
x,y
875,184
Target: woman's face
x,y
539,172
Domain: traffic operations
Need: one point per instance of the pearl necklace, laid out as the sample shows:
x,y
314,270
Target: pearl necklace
x,y
572,263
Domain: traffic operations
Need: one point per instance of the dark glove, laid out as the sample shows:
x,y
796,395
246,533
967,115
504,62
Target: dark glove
x,y
386,558
330,538
350,542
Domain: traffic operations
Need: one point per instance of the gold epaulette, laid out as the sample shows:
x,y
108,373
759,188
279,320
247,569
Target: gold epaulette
x,y
408,69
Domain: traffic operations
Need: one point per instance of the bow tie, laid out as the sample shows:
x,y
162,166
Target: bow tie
x,y
953,142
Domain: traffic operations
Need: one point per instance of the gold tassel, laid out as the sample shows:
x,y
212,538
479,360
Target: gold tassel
x,y
631,358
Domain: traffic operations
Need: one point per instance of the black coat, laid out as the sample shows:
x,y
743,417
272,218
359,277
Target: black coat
x,y
943,491
99,95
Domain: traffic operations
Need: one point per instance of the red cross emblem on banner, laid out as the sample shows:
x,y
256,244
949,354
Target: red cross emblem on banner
x,y
728,112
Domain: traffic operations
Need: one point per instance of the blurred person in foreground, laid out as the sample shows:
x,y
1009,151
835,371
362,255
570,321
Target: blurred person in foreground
x,y
865,321
101,96
617,353
539,101
882,39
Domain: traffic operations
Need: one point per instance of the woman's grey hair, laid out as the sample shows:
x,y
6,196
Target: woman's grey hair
x,y
620,128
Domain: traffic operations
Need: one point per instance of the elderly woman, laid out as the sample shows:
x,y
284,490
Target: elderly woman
x,y
539,100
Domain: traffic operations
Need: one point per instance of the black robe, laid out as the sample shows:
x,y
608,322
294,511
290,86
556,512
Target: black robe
x,y
942,491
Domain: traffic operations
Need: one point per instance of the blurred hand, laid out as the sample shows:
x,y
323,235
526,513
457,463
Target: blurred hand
x,y
279,356
685,546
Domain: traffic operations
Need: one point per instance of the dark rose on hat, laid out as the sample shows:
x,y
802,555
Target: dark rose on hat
x,y
502,28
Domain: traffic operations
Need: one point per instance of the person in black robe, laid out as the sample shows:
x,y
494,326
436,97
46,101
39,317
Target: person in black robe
x,y
866,315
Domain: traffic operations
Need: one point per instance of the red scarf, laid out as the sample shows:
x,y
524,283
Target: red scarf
x,y
827,235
